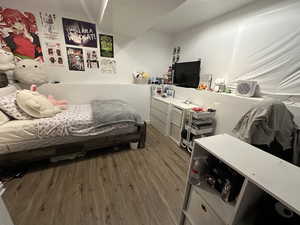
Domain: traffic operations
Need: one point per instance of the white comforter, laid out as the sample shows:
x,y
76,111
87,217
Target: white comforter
x,y
76,121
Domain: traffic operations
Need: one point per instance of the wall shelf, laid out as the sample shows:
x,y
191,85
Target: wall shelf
x,y
256,167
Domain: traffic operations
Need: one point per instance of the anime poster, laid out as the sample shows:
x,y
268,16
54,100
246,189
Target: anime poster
x,y
91,59
54,54
108,66
106,45
50,25
80,33
19,33
75,59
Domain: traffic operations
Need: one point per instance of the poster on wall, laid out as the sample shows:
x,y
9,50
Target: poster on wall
x,y
75,59
49,25
79,33
19,33
176,55
108,66
106,45
91,59
54,54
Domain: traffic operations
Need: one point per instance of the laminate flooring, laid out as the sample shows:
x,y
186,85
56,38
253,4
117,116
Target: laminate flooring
x,y
128,187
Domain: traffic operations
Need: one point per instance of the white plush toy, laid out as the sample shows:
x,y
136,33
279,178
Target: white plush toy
x,y
29,71
35,104
7,61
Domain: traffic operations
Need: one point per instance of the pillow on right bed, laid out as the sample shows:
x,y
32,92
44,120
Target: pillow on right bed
x,y
35,104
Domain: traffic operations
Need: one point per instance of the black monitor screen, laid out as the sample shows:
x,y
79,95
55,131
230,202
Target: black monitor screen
x,y
187,74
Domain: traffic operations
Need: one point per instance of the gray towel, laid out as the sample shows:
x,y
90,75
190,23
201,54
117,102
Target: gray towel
x,y
108,112
268,120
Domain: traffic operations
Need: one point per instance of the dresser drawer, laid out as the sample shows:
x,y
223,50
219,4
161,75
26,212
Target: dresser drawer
x,y
163,116
159,105
175,132
176,116
199,212
158,125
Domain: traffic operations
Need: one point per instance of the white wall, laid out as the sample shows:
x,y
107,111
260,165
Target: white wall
x,y
137,95
249,43
230,108
149,52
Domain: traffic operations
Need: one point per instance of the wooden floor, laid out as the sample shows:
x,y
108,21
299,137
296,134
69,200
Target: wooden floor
x,y
131,187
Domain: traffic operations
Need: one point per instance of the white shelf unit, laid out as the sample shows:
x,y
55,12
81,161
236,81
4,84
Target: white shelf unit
x,y
263,174
167,116
202,118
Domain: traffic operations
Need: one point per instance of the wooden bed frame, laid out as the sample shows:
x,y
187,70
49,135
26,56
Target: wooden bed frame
x,y
24,157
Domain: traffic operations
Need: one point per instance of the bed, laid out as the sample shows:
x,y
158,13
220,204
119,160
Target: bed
x,y
74,130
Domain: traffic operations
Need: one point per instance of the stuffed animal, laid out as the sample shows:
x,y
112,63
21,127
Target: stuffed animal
x,y
29,71
35,104
62,104
7,61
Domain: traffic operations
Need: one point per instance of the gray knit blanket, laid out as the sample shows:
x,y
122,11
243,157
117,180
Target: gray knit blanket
x,y
109,112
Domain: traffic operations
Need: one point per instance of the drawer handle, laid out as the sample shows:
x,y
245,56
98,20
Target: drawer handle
x,y
203,208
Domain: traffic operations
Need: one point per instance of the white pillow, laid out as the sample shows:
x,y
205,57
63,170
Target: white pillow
x,y
35,104
3,118
7,90
9,106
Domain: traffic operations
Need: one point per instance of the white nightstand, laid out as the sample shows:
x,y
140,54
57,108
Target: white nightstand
x,y
263,174
167,116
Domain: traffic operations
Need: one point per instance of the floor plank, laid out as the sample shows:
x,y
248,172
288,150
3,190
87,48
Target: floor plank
x,y
131,187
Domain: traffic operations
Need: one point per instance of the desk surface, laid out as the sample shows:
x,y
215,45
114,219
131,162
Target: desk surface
x,y
275,176
176,102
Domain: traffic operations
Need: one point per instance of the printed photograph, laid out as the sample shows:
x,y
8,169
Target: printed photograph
x,y
80,33
106,45
75,59
108,66
54,54
49,25
91,59
19,34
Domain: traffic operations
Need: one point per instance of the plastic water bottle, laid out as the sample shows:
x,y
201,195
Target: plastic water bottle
x,y
195,176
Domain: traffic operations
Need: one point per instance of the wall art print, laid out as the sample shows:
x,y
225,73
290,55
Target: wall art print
x,y
54,54
75,59
106,45
108,66
79,33
19,34
49,25
91,59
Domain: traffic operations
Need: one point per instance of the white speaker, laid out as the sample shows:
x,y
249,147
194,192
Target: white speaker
x,y
246,88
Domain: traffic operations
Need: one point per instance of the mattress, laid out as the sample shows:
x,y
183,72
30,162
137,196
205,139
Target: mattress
x,y
72,125
28,144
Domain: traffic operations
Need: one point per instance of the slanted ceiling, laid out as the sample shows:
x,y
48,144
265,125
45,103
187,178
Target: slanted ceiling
x,y
126,17
82,9
133,17
195,12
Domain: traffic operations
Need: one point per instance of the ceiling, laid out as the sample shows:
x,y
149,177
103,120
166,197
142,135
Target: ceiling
x,y
133,17
89,9
126,17
195,12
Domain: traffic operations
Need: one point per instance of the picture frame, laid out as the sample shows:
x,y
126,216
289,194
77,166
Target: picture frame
x,y
106,45
79,33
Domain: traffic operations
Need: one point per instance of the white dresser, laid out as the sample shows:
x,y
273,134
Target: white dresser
x,y
159,114
167,116
263,173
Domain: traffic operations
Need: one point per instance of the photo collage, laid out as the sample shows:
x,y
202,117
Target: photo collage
x,y
81,41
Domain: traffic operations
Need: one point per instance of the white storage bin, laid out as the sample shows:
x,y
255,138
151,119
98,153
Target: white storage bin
x,y
199,212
